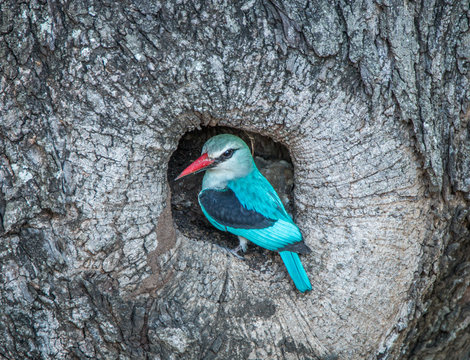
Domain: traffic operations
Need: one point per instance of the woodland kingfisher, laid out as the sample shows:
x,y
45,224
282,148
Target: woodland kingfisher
x,y
237,198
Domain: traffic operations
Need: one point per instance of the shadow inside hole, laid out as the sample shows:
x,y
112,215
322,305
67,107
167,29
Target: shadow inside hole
x,y
271,158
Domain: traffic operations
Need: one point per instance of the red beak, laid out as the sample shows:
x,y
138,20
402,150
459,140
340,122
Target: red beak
x,y
198,165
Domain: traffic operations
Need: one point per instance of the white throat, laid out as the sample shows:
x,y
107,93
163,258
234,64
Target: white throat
x,y
218,177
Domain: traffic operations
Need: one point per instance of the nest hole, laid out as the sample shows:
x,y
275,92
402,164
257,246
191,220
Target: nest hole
x,y
271,158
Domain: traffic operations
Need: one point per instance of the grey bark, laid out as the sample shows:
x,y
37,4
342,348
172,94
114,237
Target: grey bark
x,y
370,98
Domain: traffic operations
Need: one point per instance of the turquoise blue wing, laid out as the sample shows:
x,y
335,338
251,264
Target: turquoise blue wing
x,y
275,237
256,193
250,207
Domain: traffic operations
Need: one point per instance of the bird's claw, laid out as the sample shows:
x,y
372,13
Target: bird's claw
x,y
234,252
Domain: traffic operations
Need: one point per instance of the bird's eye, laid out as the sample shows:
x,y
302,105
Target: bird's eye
x,y
227,154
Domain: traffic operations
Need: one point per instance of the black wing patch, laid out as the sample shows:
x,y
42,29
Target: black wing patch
x,y
226,209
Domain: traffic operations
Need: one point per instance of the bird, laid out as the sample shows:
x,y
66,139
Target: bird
x,y
235,197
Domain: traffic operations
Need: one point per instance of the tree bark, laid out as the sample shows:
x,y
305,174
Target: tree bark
x,y
371,99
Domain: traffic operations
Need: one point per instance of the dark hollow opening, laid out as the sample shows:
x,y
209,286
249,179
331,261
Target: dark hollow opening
x,y
271,158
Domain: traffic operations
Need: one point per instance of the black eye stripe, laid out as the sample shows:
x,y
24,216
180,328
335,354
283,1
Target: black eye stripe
x,y
227,154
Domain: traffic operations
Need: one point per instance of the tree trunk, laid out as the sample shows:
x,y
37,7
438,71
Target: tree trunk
x,y
371,100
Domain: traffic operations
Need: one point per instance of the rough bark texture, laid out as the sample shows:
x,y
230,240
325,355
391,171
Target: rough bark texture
x,y
371,99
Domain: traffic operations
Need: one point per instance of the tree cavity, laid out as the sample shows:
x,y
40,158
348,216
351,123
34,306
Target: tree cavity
x,y
271,158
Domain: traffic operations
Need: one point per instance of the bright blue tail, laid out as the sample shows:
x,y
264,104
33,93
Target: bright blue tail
x,y
296,270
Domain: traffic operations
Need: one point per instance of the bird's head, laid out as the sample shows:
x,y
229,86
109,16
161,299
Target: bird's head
x,y
225,155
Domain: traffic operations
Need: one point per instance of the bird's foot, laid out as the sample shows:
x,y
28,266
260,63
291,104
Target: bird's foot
x,y
234,252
